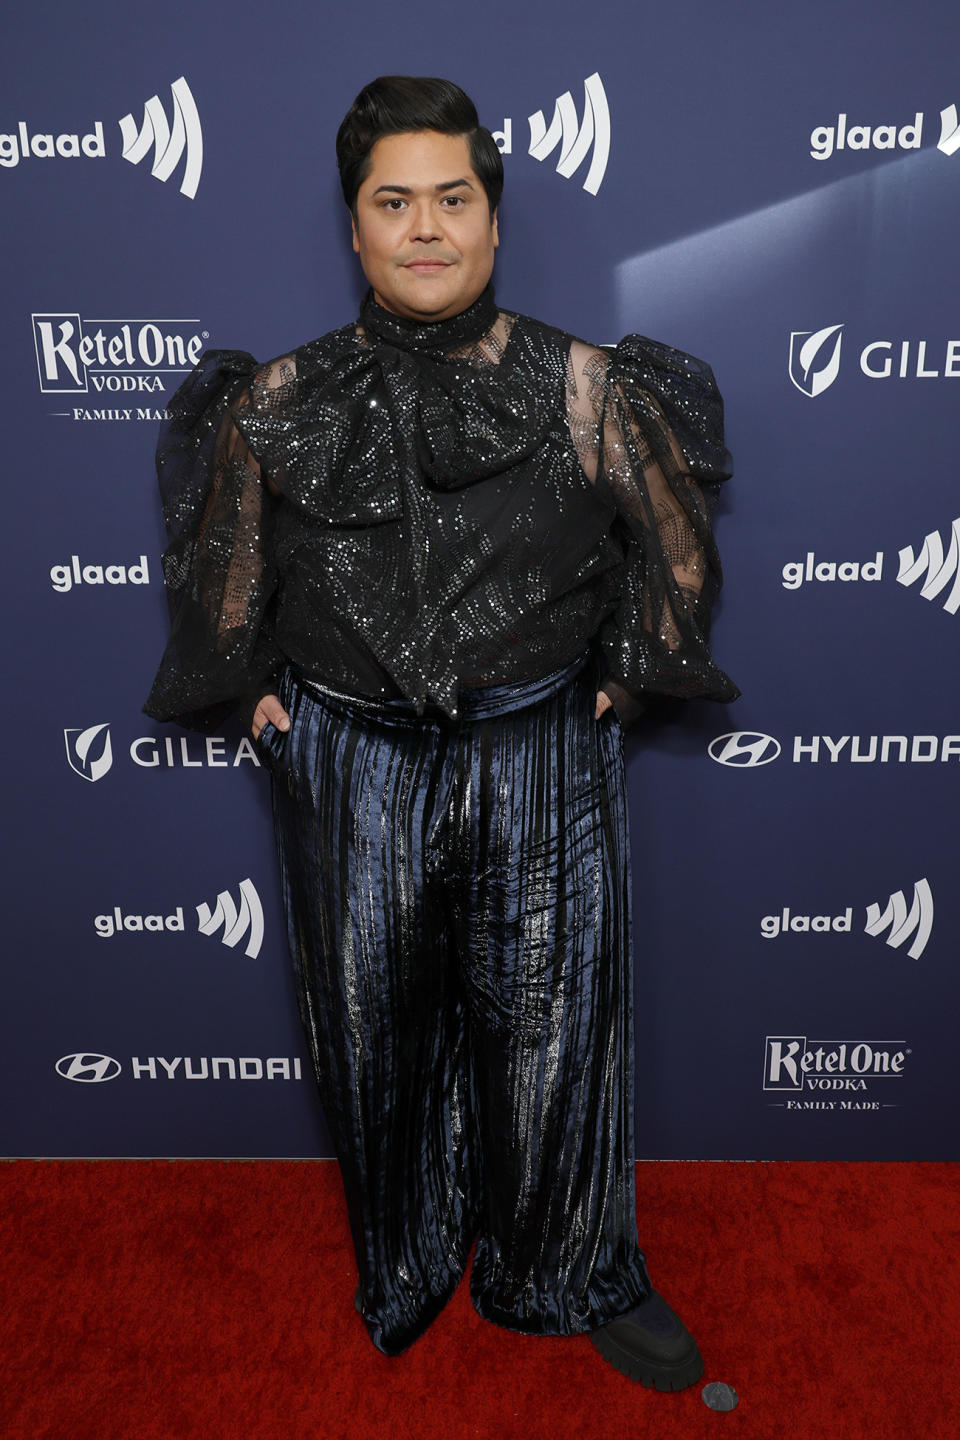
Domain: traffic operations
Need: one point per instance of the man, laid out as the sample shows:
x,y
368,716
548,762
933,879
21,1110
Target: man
x,y
439,556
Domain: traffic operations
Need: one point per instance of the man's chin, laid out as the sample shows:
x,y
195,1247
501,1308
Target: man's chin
x,y
428,298
430,305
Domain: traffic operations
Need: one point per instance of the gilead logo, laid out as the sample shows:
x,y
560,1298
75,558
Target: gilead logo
x,y
90,752
813,362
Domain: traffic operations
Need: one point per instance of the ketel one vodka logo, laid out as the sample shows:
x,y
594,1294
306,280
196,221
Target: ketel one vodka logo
x,y
573,137
226,920
113,357
792,1064
895,922
167,139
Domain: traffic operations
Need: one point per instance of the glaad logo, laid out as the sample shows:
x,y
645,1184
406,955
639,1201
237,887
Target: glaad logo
x,y
89,752
791,1065
87,1068
902,925
575,138
935,567
183,140
827,140
112,358
939,570
949,141
815,358
247,920
236,923
744,749
169,145
918,923
64,577
799,572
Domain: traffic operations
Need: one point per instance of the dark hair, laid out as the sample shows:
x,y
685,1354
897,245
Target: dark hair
x,y
400,104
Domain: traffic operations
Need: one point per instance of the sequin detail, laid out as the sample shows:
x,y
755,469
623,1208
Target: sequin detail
x,y
409,509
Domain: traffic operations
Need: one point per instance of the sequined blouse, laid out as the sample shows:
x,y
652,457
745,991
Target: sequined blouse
x,y
406,508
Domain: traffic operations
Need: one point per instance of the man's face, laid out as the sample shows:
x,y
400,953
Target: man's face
x,y
423,230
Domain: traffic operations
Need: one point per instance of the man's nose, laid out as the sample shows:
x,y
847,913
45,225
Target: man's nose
x,y
424,222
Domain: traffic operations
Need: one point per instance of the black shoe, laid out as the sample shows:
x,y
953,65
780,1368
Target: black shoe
x,y
651,1344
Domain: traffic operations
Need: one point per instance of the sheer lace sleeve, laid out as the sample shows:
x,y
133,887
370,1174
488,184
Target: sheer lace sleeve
x,y
218,567
648,425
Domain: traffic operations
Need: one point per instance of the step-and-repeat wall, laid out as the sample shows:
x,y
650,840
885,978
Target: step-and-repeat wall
x,y
773,187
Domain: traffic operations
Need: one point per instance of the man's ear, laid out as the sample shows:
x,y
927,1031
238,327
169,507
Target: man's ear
x,y
356,237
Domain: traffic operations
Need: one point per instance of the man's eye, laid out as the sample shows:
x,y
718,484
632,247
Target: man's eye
x,y
394,203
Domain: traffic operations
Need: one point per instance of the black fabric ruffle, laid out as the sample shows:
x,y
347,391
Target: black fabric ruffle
x,y
407,501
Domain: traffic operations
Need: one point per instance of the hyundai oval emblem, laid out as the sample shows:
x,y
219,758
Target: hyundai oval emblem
x,y
744,749
88,1068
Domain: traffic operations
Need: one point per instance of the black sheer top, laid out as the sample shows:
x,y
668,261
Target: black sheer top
x,y
402,508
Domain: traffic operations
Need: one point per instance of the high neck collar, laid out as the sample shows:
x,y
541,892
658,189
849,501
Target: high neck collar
x,y
441,335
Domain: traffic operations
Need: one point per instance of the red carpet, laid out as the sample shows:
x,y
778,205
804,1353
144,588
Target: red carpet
x,y
211,1300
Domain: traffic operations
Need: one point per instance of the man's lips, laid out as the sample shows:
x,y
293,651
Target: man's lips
x,y
427,266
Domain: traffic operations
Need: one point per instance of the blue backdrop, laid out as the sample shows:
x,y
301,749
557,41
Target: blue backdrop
x,y
774,188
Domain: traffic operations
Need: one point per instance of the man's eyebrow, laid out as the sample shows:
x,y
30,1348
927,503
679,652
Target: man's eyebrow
x,y
407,189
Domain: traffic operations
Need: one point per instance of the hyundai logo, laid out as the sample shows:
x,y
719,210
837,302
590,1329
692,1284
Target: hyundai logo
x,y
87,1068
744,749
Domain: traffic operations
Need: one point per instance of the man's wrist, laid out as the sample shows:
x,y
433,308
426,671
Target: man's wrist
x,y
629,707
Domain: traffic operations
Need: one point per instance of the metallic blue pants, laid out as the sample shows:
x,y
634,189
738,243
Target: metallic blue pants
x,y
457,897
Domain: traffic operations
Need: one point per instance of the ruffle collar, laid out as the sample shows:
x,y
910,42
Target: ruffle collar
x,y
436,336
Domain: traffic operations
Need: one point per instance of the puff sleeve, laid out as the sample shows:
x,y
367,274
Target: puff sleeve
x,y
648,424
218,567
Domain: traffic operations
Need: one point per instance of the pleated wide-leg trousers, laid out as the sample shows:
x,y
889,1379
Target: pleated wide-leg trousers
x,y
457,896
